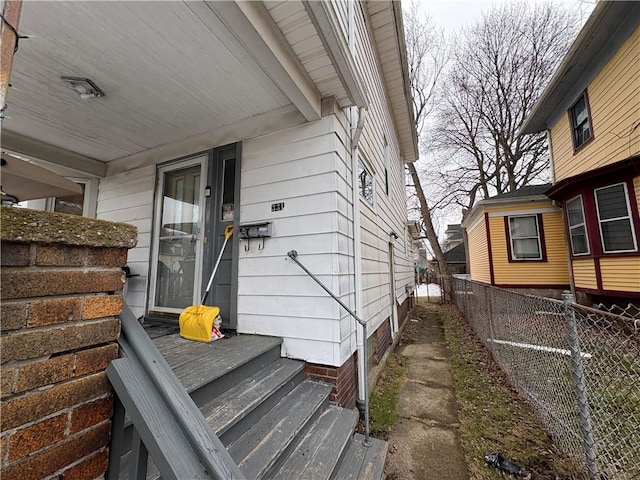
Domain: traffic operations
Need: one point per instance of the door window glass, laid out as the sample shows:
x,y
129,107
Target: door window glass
x,y
178,238
228,187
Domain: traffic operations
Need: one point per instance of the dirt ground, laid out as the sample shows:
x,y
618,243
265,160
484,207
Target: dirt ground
x,y
454,405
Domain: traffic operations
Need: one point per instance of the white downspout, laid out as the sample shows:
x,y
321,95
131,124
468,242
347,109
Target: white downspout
x,y
356,131
357,250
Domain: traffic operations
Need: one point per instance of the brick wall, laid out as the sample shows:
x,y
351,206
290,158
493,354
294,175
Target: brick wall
x,y
61,296
383,339
344,380
403,311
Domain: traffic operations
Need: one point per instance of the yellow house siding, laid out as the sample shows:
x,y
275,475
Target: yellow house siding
x,y
584,273
621,274
614,99
552,272
479,253
636,187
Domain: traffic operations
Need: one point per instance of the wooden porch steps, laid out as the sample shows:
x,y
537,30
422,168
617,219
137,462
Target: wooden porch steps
x,y
274,423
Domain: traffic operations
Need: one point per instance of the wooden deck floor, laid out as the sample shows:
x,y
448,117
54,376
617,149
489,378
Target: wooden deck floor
x,y
196,363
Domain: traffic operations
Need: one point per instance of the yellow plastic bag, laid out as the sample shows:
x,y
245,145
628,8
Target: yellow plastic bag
x,y
201,323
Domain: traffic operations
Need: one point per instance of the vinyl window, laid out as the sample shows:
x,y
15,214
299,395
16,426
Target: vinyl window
x,y
524,235
614,219
577,226
581,129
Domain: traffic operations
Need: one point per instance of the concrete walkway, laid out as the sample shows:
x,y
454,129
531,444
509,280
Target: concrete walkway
x,y
424,443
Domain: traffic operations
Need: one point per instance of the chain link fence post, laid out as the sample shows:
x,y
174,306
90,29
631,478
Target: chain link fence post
x,y
581,387
488,298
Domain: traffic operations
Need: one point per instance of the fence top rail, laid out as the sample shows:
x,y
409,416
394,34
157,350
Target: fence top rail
x,y
521,294
597,311
628,324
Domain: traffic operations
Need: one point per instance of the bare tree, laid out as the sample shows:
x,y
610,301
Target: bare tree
x,y
426,57
498,69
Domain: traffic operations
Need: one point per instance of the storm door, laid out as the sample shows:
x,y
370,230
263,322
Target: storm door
x,y
178,236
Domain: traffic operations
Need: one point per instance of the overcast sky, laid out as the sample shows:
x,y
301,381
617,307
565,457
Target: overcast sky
x,y
454,14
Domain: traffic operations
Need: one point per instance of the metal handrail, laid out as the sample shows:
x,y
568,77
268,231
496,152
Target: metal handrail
x,y
293,255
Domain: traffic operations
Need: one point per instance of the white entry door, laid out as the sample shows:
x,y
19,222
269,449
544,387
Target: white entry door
x,y
177,246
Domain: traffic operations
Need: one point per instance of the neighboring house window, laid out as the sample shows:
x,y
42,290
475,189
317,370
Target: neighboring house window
x,y
524,238
72,204
365,183
580,121
614,218
577,226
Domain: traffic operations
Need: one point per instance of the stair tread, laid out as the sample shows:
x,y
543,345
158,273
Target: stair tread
x,y
319,451
363,463
227,409
214,359
259,449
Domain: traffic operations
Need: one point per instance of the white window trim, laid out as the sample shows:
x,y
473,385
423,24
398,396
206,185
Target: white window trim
x,y
537,237
90,200
629,217
584,224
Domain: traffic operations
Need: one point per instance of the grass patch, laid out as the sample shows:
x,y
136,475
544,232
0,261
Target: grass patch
x,y
382,408
493,417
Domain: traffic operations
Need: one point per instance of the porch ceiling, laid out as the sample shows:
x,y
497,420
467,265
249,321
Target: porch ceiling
x,y
170,70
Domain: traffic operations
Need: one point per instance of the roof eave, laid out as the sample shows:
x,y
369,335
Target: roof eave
x,y
395,73
412,142
597,31
482,204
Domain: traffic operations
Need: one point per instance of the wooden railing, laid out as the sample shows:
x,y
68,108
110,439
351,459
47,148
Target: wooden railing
x,y
167,425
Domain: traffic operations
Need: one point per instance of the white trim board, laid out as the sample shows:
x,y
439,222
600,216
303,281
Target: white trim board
x,y
528,211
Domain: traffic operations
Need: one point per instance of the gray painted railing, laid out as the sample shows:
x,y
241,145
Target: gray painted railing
x,y
293,255
168,426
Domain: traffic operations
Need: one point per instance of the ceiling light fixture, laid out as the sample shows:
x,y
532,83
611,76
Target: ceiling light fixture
x,y
85,87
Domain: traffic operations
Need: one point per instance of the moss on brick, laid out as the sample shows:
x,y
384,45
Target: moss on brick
x,y
26,225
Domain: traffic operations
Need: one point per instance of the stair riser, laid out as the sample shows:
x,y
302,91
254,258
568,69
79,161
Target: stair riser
x,y
203,394
234,432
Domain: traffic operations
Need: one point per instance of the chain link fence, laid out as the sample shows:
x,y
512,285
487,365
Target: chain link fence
x,y
578,367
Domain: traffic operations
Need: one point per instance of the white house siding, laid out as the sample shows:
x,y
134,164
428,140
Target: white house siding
x,y
388,213
309,168
341,9
305,168
128,197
